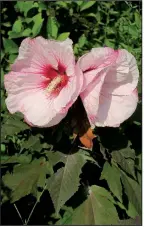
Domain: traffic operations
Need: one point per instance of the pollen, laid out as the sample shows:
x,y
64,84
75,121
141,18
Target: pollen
x,y
54,83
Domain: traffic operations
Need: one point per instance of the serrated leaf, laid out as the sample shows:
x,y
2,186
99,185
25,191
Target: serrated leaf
x,y
52,28
33,143
112,175
17,26
96,210
22,159
13,126
38,22
63,36
10,46
56,157
133,191
87,157
25,178
86,5
125,158
65,182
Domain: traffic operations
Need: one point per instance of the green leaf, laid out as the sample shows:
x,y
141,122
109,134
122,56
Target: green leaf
x,y
96,210
52,28
132,30
55,157
86,5
82,41
24,6
63,36
112,175
6,24
22,159
131,222
139,162
12,58
3,148
17,26
26,32
26,178
65,182
62,4
131,212
33,143
126,159
12,126
79,3
138,19
133,191
109,43
38,22
10,46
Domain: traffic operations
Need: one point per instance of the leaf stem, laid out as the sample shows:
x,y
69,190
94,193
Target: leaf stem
x,y
18,213
35,205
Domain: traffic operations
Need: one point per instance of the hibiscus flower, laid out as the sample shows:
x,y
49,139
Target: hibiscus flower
x,y
109,91
44,81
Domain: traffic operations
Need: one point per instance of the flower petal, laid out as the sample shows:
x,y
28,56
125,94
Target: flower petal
x,y
94,62
113,109
122,77
90,96
34,54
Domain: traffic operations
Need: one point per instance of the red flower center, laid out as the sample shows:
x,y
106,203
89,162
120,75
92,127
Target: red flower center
x,y
56,79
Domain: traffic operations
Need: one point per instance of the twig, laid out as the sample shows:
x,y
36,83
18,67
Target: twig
x,y
18,213
35,205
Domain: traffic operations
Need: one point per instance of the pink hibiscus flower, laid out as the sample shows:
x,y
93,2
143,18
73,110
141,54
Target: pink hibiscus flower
x,y
44,81
109,91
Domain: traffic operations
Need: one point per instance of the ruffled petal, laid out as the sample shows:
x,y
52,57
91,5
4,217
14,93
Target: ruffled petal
x,y
113,109
122,77
94,62
90,97
36,54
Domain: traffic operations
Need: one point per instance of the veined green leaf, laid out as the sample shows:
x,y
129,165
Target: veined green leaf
x,y
65,182
97,209
133,191
26,178
112,175
125,158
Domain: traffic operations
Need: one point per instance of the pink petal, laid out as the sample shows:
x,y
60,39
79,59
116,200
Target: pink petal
x,y
110,78
36,53
122,77
94,62
90,97
33,72
113,110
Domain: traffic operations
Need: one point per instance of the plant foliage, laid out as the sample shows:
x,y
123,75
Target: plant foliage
x,y
47,178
